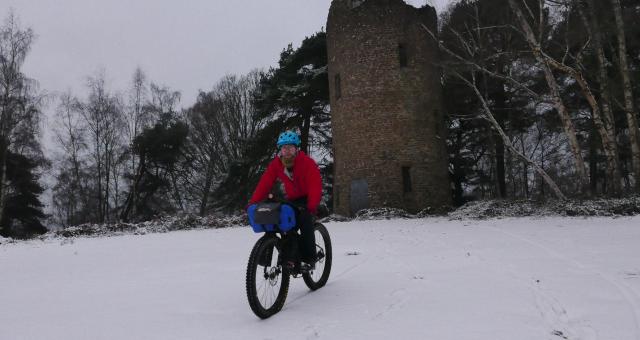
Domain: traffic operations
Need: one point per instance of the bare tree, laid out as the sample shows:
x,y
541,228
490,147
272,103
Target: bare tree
x,y
138,117
103,116
204,146
70,190
163,102
221,123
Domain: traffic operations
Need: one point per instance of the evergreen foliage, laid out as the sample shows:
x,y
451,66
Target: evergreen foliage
x,y
21,158
23,215
160,149
295,96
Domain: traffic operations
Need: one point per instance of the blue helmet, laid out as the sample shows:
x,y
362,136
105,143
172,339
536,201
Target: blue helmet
x,y
288,137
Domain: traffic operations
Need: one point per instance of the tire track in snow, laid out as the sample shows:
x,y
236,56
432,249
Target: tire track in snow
x,y
331,279
334,276
552,312
401,299
627,293
350,268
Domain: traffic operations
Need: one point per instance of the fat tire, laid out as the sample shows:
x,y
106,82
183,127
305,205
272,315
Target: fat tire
x,y
308,279
262,245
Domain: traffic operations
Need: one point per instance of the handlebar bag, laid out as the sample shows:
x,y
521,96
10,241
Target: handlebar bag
x,y
271,216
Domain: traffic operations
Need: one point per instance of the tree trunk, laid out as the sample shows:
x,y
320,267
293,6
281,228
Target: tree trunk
x,y
525,170
605,122
3,188
512,176
207,188
567,124
176,191
500,104
116,189
107,189
500,169
542,166
593,162
132,200
632,120
304,132
99,168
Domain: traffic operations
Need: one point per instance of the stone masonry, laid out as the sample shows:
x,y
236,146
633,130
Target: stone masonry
x,y
386,107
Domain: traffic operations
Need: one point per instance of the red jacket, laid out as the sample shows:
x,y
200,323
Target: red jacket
x,y
306,181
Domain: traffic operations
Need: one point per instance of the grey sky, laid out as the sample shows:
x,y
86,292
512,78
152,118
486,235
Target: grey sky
x,y
186,45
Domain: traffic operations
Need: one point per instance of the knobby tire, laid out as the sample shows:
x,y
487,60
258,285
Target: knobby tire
x,y
255,270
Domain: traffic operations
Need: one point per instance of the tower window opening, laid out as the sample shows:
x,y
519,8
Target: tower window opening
x,y
406,179
337,85
402,55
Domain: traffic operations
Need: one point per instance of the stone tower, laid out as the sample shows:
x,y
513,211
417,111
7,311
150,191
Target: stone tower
x,y
386,107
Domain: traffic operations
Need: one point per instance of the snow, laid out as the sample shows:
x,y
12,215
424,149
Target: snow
x,y
426,278
416,3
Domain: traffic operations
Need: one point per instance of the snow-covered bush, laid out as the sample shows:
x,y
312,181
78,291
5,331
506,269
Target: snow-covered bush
x,y
516,208
473,210
160,225
382,213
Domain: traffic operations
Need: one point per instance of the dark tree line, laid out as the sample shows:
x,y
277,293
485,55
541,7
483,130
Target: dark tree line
x,y
550,94
542,99
132,157
21,157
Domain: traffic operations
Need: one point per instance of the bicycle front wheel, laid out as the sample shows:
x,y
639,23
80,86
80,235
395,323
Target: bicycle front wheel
x,y
267,284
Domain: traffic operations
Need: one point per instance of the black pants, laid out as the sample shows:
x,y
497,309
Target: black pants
x,y
305,222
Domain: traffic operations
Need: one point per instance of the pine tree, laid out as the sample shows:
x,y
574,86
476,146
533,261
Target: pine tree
x,y
23,213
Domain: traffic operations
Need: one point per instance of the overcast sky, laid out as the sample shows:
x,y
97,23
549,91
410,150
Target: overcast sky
x,y
186,45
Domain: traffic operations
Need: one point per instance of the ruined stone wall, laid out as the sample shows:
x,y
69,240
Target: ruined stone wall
x,y
387,119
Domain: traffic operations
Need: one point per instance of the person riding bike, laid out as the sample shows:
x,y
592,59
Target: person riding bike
x,y
303,188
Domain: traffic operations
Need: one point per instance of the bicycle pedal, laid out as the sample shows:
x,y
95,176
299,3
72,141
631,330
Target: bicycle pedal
x,y
307,267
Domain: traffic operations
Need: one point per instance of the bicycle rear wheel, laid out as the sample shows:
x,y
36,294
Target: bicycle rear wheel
x,y
318,277
267,284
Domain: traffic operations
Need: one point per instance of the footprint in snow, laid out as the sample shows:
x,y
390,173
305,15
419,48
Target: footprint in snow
x,y
632,275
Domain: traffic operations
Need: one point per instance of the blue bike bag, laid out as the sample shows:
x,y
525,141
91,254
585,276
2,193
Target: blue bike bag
x,y
271,216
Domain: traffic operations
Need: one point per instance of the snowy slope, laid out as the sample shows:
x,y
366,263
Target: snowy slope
x,y
526,278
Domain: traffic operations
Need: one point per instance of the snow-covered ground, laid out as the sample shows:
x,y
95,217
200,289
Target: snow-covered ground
x,y
434,278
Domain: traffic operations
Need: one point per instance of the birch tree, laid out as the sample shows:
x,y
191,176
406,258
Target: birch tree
x,y
545,64
70,190
488,115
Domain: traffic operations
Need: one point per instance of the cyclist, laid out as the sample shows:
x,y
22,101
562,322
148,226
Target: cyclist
x,y
303,188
